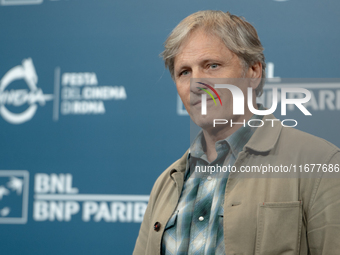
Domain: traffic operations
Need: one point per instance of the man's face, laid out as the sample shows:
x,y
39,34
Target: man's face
x,y
206,57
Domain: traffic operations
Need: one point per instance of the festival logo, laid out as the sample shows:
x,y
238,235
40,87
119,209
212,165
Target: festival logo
x,y
19,97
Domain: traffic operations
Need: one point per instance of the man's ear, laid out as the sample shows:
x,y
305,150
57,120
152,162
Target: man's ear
x,y
255,74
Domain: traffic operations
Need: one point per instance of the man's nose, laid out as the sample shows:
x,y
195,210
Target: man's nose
x,y
198,82
196,76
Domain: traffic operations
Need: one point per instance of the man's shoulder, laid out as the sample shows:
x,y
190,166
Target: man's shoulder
x,y
290,143
302,142
177,166
165,181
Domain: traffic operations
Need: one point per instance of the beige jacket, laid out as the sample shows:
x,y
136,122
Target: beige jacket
x,y
267,216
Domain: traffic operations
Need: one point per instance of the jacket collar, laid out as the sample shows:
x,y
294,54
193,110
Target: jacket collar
x,y
265,137
180,165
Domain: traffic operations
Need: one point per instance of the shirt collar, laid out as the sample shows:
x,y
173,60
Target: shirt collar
x,y
264,139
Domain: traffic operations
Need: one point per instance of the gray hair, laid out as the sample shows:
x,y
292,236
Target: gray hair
x,y
237,34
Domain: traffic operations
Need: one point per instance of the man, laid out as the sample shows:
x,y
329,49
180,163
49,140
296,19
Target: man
x,y
194,212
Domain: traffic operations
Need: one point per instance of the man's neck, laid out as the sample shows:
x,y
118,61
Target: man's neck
x,y
212,136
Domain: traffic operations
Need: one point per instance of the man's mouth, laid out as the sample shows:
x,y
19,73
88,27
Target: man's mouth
x,y
200,101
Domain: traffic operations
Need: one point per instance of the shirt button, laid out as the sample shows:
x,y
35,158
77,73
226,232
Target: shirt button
x,y
201,218
209,178
157,226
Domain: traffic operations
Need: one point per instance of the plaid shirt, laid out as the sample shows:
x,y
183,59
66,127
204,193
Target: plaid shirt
x,y
196,226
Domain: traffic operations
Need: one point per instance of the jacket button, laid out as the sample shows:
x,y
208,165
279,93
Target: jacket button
x,y
157,226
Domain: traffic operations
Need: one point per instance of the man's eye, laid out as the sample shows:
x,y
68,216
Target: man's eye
x,y
185,72
213,66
